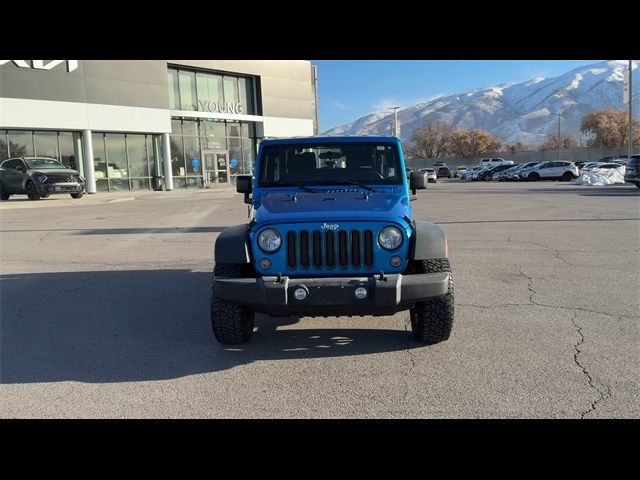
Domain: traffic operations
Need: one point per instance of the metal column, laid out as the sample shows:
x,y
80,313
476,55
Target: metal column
x,y
166,158
87,155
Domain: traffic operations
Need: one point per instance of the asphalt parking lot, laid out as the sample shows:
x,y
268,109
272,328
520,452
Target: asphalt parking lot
x,y
104,313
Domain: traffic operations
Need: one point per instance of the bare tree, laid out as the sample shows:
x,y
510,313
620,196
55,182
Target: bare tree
x,y
565,142
608,128
516,148
431,141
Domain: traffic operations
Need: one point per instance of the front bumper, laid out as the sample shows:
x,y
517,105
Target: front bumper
x,y
61,187
332,296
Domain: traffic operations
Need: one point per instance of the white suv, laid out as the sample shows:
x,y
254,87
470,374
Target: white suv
x,y
495,161
553,171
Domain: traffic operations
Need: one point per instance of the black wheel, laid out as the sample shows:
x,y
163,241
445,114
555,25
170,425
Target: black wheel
x,y
45,195
432,320
637,186
567,176
77,195
3,195
231,323
32,193
533,177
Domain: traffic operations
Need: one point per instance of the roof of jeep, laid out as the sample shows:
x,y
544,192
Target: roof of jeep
x,y
328,139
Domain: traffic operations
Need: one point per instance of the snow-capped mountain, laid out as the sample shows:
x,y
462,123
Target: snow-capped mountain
x,y
524,112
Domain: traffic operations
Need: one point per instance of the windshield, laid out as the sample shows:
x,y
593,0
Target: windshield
x,y
40,163
319,164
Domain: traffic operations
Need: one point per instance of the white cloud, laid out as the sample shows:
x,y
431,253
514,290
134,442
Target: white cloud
x,y
339,105
385,104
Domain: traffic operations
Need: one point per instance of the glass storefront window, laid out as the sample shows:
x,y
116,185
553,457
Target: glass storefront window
x,y
177,156
117,168
235,156
190,127
136,150
4,147
187,84
231,90
99,162
209,90
174,92
246,95
248,151
233,129
212,128
210,143
67,150
20,143
46,144
176,126
192,155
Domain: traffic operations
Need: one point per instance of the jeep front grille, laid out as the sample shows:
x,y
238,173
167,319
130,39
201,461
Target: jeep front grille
x,y
329,249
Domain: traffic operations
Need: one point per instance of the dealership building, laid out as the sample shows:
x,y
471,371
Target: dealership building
x,y
153,124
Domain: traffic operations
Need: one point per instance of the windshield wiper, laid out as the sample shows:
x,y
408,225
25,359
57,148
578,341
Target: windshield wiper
x,y
350,182
294,184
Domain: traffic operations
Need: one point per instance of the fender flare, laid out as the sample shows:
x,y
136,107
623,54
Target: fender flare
x,y
428,241
232,245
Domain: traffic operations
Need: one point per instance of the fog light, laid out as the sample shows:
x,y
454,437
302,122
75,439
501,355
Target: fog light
x,y
300,293
361,293
395,261
265,263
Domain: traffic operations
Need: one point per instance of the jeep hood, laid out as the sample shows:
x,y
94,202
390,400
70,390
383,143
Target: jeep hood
x,y
329,205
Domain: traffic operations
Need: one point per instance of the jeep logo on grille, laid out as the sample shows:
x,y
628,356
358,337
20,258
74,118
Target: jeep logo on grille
x,y
329,226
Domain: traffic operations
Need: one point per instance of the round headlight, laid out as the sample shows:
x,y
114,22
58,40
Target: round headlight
x,y
269,240
390,238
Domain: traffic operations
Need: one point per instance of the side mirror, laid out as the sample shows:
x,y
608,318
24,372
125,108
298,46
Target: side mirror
x,y
417,181
20,168
244,184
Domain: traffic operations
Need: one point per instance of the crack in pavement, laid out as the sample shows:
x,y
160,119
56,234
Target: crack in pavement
x,y
413,363
602,395
557,252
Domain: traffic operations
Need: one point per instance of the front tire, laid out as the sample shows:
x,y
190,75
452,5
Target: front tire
x,y
232,323
77,195
3,194
432,320
533,177
567,176
32,193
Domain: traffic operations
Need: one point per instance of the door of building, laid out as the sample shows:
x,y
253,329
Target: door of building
x,y
216,167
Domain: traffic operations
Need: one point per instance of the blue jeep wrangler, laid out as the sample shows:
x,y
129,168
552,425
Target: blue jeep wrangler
x,y
331,232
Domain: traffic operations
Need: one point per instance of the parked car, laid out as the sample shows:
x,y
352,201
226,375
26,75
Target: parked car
x,y
471,173
632,171
494,161
443,171
588,166
554,171
488,173
505,175
431,174
621,160
524,172
601,166
38,177
408,171
439,164
514,173
458,170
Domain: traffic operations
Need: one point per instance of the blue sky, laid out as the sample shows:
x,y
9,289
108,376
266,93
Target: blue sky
x,y
350,89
